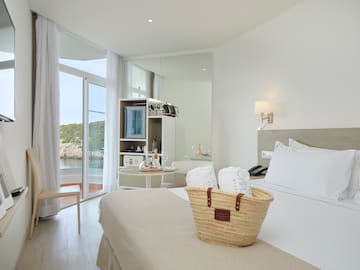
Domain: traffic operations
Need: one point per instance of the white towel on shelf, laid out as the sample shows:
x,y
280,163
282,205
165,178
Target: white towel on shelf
x,y
201,177
234,179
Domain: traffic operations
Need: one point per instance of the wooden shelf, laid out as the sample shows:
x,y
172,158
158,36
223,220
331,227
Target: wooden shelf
x,y
132,140
132,154
137,154
5,221
157,127
155,116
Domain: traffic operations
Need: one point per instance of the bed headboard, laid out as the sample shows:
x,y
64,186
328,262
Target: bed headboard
x,y
333,138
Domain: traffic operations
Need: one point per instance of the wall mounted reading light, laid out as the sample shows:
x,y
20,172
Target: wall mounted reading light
x,y
264,109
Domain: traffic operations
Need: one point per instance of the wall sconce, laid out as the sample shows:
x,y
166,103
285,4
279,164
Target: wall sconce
x,y
265,110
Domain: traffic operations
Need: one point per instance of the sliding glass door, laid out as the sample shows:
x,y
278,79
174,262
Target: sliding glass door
x,y
95,142
71,133
82,126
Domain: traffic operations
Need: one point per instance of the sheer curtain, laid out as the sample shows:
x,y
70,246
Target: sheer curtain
x,y
46,110
157,85
113,94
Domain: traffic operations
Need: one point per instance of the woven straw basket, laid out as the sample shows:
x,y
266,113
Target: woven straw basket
x,y
228,218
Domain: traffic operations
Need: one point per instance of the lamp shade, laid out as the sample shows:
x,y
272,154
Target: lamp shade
x,y
262,107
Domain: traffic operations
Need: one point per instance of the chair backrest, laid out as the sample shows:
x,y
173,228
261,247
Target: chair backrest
x,y
36,170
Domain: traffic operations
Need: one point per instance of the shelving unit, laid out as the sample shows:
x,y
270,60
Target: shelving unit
x,y
158,127
5,221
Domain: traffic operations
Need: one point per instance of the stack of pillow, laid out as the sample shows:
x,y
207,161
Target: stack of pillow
x,y
231,179
317,171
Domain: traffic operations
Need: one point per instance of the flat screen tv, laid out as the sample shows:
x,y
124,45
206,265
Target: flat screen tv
x,y
7,65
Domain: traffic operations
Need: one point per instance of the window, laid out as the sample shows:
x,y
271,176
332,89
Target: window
x,y
93,66
140,81
82,116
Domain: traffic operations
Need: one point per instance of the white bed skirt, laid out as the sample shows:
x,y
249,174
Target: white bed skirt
x,y
106,259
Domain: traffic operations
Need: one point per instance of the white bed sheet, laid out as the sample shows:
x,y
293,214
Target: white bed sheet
x,y
321,231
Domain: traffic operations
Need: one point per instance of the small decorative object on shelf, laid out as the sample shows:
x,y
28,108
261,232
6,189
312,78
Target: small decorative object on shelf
x,y
151,164
154,145
156,158
199,153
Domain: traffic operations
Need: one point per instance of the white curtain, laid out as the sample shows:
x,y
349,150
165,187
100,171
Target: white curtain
x,y
113,94
46,111
157,85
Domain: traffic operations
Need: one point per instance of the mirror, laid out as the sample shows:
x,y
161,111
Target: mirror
x,y
184,81
7,65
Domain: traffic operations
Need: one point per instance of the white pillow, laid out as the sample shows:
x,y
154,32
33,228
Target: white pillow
x,y
354,184
201,177
312,172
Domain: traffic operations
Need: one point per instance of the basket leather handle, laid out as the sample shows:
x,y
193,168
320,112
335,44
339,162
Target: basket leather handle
x,y
209,196
238,198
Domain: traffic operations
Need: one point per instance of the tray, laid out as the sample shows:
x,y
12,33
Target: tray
x,y
151,170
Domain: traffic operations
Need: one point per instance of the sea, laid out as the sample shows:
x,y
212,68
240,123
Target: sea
x,y
70,163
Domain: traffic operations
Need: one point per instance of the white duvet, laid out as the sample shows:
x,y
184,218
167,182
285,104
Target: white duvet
x,y
319,230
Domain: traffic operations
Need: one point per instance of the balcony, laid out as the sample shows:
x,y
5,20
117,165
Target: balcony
x,y
73,176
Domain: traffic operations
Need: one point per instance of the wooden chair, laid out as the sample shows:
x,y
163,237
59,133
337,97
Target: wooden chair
x,y
42,194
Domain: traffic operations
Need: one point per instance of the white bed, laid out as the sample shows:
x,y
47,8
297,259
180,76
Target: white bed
x,y
154,230
321,230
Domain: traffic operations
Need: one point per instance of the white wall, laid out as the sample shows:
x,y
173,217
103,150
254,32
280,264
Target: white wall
x,y
193,125
307,59
16,137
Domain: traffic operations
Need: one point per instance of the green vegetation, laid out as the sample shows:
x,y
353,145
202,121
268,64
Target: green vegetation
x,y
72,133
96,135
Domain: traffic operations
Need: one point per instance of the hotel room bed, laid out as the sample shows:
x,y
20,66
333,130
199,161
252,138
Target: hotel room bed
x,y
154,229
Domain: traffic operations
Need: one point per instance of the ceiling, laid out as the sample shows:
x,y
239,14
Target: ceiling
x,y
195,67
73,47
181,25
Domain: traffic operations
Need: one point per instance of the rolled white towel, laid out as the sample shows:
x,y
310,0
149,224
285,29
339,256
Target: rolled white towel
x,y
201,177
234,179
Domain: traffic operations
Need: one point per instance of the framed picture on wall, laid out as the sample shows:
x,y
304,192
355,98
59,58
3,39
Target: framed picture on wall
x,y
4,191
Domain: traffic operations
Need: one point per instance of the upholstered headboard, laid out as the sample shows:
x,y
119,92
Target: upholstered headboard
x,y
333,138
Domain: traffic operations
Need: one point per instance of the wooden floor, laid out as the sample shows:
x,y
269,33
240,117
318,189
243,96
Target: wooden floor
x,y
56,244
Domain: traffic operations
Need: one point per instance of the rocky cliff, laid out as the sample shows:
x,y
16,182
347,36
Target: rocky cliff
x,y
71,150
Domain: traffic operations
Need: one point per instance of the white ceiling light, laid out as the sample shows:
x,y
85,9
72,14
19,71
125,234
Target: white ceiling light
x,y
203,69
150,20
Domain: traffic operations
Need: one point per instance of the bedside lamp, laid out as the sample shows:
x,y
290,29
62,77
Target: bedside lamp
x,y
264,109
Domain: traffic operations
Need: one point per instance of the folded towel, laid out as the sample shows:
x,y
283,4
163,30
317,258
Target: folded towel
x,y
234,179
201,177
